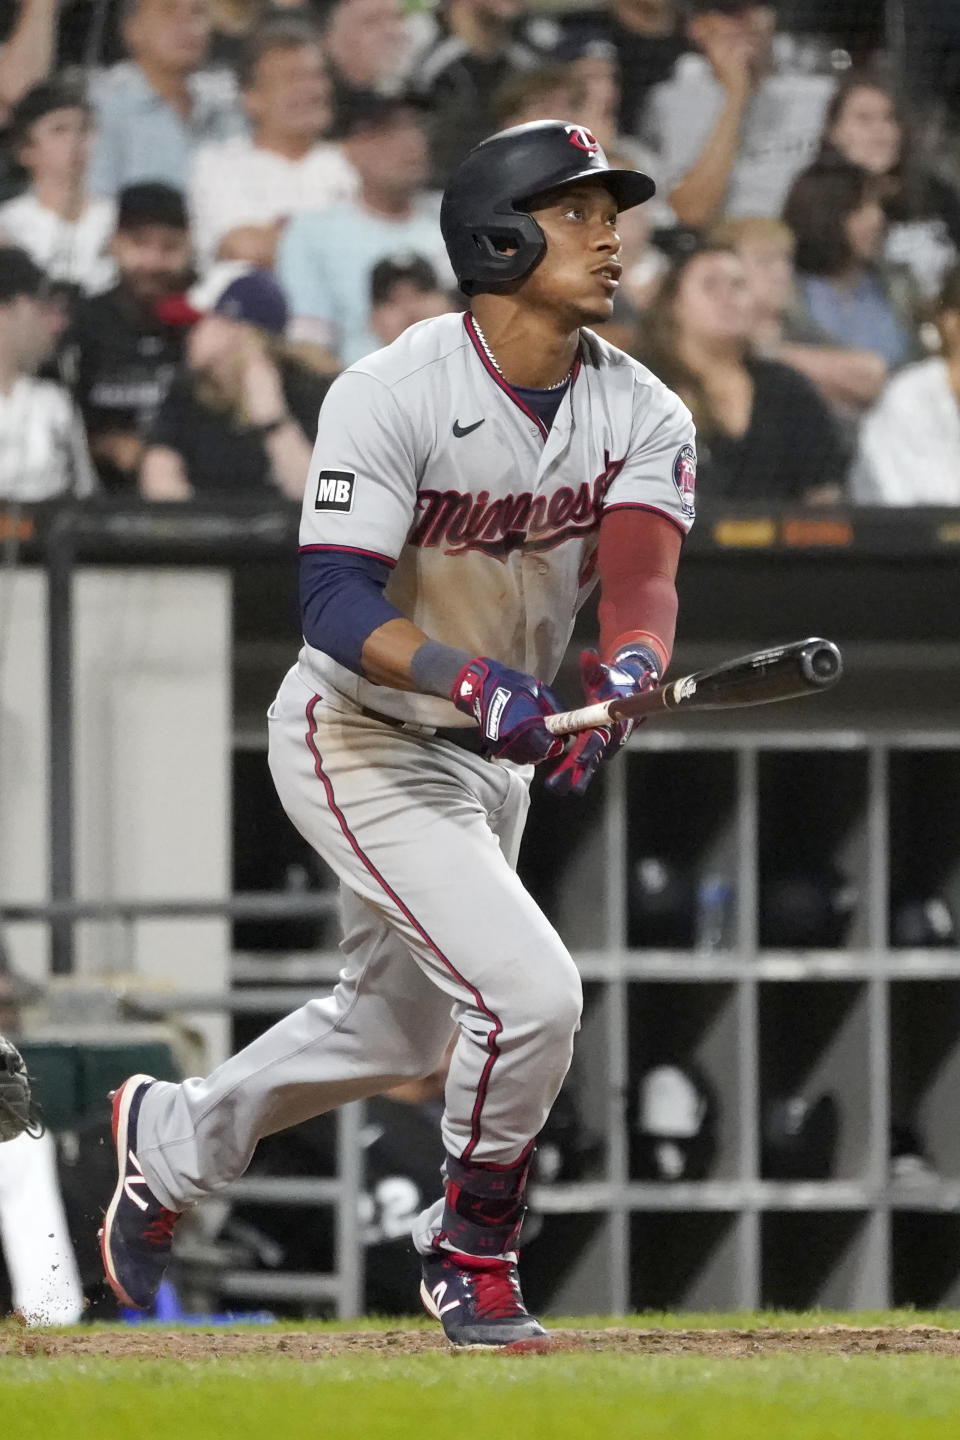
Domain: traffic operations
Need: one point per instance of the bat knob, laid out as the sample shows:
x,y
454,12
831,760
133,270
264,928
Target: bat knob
x,y
822,662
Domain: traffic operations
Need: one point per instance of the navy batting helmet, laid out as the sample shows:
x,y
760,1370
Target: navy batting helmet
x,y
482,214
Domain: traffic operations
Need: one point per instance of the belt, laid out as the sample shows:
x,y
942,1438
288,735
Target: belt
x,y
465,737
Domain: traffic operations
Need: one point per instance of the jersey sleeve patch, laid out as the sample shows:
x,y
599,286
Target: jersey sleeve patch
x,y
335,489
685,479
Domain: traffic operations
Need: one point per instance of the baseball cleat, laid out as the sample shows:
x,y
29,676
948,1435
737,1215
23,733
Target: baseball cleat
x,y
476,1300
137,1234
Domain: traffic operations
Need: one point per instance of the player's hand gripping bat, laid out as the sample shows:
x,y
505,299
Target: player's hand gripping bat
x,y
784,673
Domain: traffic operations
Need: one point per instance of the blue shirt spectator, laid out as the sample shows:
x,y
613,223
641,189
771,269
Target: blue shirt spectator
x,y
325,259
155,109
859,315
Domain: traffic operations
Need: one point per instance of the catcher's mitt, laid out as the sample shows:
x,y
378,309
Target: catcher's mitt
x,y
18,1113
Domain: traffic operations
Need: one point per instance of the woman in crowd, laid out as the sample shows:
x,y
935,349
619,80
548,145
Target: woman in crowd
x,y
763,432
909,452
866,125
844,286
850,380
238,420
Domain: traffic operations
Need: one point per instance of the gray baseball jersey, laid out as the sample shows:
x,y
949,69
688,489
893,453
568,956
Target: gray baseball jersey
x,y
426,459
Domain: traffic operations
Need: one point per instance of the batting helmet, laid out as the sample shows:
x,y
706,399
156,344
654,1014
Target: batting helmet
x,y
482,214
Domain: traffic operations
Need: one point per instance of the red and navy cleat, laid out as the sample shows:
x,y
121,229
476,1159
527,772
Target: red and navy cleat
x,y
137,1234
476,1300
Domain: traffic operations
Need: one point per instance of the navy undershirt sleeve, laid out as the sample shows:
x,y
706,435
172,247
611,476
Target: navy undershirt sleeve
x,y
342,602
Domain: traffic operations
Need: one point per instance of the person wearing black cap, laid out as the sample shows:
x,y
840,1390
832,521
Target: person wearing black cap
x,y
237,418
122,352
325,260
66,231
43,453
731,133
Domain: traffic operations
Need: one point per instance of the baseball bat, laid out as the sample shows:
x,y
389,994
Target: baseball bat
x,y
803,667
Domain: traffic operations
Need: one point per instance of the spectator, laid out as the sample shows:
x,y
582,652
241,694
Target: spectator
x,y
866,126
26,54
367,47
844,286
155,109
404,289
240,419
730,132
849,379
242,191
547,93
121,354
476,48
645,42
909,452
65,231
325,260
43,453
763,433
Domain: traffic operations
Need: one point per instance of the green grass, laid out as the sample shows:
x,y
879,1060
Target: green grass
x,y
450,1396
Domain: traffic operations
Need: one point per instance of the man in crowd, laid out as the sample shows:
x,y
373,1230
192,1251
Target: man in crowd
x,y
155,109
403,290
730,132
477,46
43,453
243,190
66,231
122,353
325,260
367,47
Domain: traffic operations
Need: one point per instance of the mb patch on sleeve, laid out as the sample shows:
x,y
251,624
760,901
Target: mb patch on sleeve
x,y
685,479
335,491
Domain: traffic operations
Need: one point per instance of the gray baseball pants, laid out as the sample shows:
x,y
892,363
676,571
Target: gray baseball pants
x,y
439,937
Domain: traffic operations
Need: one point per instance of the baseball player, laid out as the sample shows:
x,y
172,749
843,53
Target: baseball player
x,y
469,485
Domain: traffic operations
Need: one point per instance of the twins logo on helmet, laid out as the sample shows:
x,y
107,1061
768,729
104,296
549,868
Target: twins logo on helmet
x,y
581,137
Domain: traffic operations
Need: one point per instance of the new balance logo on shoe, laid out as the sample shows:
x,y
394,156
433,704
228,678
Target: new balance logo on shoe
x,y
439,1292
138,1179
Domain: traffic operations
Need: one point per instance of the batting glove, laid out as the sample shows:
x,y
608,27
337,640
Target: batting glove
x,y
510,708
630,672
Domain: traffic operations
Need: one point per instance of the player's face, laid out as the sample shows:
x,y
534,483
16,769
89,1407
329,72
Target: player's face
x,y
713,304
579,274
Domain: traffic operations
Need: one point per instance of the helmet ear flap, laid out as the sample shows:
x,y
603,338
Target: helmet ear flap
x,y
500,253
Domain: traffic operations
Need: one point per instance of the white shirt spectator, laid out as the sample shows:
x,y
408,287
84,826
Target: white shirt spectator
x,y
780,136
237,183
43,450
75,251
909,451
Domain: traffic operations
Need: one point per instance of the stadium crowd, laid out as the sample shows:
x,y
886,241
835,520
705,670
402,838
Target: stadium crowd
x,y
209,207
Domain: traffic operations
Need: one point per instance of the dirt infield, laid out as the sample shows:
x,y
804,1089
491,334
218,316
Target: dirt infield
x,y
196,1345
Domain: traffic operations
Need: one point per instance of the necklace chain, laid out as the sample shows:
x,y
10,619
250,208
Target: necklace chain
x,y
490,356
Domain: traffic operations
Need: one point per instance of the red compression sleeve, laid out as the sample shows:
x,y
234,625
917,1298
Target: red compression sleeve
x,y
637,562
